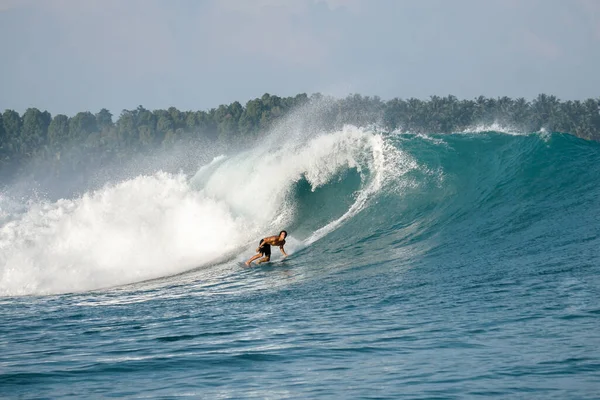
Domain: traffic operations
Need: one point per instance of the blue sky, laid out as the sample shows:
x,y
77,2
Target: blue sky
x,y
66,56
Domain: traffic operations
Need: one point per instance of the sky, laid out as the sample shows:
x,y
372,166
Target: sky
x,y
67,56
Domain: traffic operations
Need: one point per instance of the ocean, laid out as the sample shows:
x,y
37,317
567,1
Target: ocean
x,y
431,266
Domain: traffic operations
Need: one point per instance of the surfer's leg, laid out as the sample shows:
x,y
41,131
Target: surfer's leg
x,y
253,258
266,252
264,259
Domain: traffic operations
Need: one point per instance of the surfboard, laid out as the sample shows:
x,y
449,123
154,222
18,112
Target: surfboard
x,y
255,264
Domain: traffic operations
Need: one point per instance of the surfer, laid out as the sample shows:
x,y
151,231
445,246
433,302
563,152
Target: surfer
x,y
264,247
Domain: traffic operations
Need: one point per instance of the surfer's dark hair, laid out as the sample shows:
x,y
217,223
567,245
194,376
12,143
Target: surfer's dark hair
x,y
283,232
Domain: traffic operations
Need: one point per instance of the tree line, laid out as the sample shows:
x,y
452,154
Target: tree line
x,y
95,139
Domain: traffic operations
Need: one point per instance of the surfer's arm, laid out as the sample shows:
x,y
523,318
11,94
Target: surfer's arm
x,y
283,251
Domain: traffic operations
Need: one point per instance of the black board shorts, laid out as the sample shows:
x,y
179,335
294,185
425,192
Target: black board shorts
x,y
265,249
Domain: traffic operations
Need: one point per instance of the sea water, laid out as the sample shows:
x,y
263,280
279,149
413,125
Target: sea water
x,y
421,266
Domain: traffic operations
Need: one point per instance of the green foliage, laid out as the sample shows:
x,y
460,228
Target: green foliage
x,y
4,151
33,132
82,125
12,130
98,140
104,120
58,131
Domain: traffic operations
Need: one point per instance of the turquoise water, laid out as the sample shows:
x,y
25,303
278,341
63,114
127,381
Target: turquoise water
x,y
440,266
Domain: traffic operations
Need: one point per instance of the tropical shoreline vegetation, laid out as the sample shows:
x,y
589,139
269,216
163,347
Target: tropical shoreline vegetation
x,y
38,136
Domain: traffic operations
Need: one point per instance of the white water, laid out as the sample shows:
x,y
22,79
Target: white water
x,y
163,224
495,127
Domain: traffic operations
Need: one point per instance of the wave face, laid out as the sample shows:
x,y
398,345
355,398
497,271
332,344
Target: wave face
x,y
491,196
354,194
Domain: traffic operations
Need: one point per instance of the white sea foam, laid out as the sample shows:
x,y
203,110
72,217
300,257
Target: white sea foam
x,y
495,127
139,229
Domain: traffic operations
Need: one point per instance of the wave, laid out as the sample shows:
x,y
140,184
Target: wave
x,y
490,195
405,197
163,224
